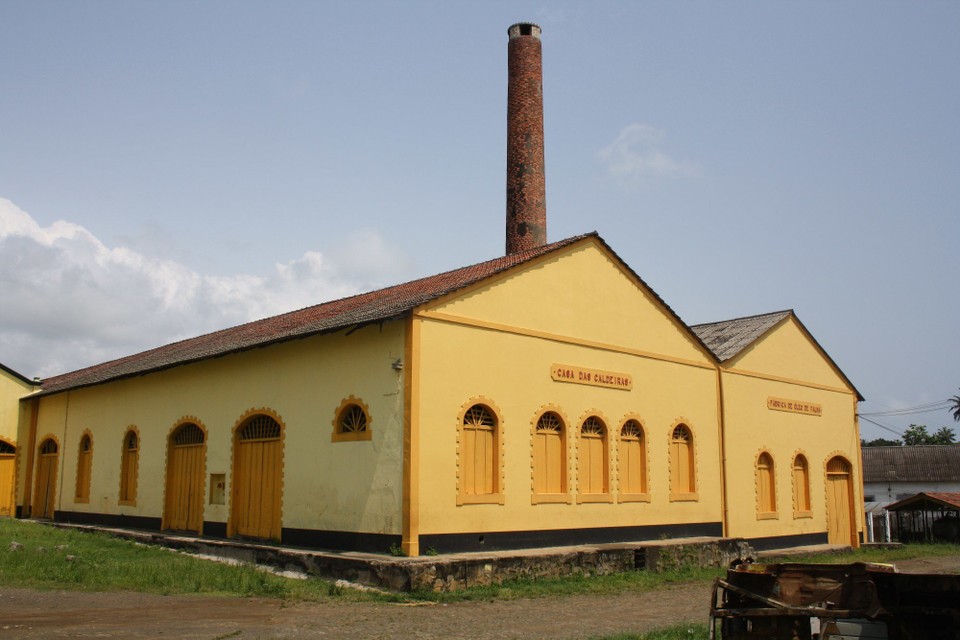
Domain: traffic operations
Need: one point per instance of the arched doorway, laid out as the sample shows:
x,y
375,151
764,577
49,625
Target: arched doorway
x,y
8,457
840,516
46,489
186,454
257,477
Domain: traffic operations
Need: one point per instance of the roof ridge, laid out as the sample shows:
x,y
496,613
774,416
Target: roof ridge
x,y
751,317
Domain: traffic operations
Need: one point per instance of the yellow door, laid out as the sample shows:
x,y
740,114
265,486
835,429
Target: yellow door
x,y
46,489
257,469
839,503
183,507
7,471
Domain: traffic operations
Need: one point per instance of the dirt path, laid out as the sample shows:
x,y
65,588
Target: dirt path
x,y
33,614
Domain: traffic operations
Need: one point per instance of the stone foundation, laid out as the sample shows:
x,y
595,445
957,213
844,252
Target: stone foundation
x,y
452,572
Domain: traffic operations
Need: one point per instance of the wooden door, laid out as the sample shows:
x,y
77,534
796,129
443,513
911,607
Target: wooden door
x,y
46,489
258,468
7,477
183,507
839,502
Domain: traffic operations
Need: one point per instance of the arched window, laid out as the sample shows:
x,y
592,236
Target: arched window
x,y
801,486
84,463
593,457
766,487
479,458
633,460
683,481
549,458
351,421
128,468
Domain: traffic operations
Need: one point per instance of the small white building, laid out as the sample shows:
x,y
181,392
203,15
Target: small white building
x,y
891,474
894,473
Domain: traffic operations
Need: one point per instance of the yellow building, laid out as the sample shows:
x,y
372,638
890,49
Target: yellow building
x,y
541,398
546,397
790,415
13,386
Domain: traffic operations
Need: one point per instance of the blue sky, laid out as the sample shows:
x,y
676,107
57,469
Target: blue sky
x,y
169,168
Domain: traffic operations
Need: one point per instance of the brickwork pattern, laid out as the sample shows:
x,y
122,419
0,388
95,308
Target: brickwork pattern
x,y
526,186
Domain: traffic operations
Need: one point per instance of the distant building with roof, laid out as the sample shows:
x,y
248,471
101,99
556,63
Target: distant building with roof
x,y
545,397
894,473
928,516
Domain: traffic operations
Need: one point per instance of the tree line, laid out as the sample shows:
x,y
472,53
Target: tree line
x,y
917,434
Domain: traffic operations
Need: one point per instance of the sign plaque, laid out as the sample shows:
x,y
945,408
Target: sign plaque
x,y
794,406
592,377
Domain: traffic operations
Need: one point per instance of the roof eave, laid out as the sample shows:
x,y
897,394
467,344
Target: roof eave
x,y
214,356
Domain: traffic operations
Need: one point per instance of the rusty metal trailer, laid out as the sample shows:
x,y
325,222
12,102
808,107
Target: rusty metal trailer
x,y
795,601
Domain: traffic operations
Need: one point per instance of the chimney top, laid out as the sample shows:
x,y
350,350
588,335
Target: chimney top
x,y
524,29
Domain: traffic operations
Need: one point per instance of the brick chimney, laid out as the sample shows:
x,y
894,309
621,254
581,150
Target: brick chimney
x,y
526,190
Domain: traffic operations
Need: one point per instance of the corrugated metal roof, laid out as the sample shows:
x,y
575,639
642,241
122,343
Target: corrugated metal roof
x,y
375,306
922,463
729,337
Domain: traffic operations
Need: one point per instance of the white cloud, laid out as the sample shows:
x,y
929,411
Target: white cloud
x,y
69,301
636,156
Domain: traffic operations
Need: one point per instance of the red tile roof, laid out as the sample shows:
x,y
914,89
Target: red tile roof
x,y
375,306
926,501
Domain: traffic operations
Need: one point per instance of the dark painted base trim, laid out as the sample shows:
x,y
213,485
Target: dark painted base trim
x,y
305,538
108,520
785,542
345,540
444,542
504,540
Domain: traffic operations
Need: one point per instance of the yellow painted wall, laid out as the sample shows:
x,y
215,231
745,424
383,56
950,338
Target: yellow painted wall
x,y
751,427
581,292
491,345
11,390
787,352
348,486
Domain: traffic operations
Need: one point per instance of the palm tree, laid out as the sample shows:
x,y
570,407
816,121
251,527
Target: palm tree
x,y
955,401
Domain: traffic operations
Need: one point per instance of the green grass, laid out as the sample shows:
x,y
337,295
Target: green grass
x,y
677,632
53,558
874,554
